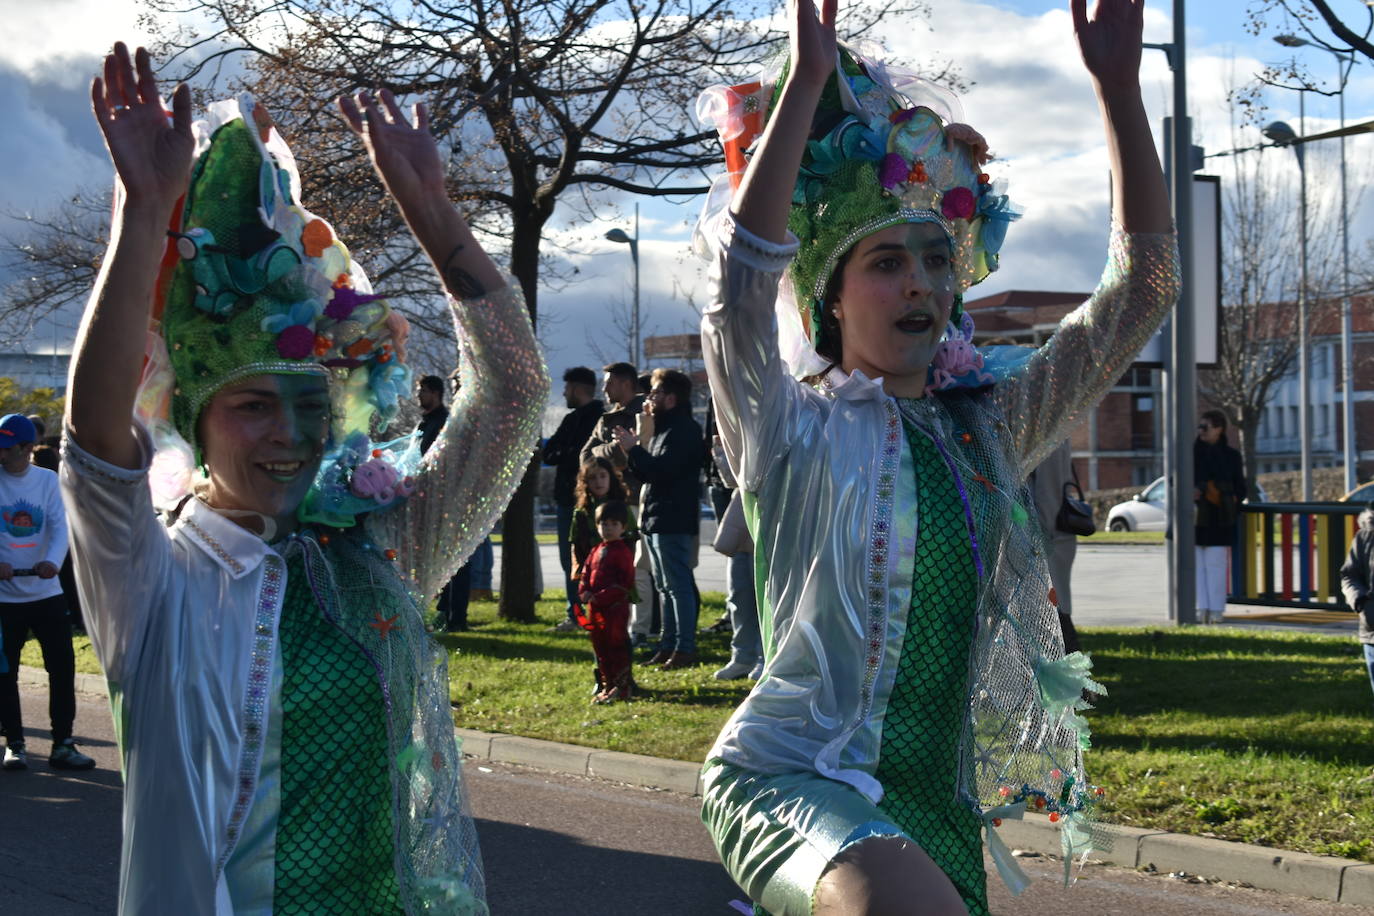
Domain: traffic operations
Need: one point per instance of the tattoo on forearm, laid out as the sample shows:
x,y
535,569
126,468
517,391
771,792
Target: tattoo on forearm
x,y
459,282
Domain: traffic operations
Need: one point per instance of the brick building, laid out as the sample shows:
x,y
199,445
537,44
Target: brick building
x,y
1118,444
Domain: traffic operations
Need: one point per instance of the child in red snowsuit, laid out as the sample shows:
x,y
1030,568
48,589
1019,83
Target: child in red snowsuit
x,y
606,589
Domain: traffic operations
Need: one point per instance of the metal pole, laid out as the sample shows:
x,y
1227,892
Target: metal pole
x,y
1304,364
1171,428
1183,346
634,256
1347,331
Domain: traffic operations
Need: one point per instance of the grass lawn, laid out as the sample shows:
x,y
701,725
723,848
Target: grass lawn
x,y
548,537
1252,736
1123,537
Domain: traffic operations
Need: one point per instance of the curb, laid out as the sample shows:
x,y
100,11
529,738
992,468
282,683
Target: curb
x,y
1297,873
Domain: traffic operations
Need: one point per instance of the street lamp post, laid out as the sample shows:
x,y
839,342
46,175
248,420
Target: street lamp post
x,y
1281,133
1347,331
618,235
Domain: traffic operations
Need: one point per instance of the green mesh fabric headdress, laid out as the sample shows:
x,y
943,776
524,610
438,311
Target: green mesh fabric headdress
x,y
878,155
263,286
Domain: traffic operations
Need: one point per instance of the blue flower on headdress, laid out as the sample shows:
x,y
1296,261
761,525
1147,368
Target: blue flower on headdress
x,y
389,383
304,312
997,215
851,140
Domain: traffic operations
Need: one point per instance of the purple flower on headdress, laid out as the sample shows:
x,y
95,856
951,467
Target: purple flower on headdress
x,y
899,117
296,342
892,171
344,301
958,203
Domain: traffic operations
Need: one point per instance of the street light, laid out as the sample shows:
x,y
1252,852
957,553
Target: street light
x,y
1347,332
1282,134
619,236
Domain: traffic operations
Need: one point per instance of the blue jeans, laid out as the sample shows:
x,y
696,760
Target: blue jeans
x,y
670,555
481,564
565,517
1369,661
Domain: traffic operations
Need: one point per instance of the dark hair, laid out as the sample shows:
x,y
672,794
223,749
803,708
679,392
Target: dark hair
x,y
1217,419
580,375
675,383
45,456
583,499
39,426
833,347
613,510
646,382
622,371
432,383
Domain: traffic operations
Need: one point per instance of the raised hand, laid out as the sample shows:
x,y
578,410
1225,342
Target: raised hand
x,y
812,40
1109,40
152,158
404,154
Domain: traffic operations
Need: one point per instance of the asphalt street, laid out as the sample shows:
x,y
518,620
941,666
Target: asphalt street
x,y
552,844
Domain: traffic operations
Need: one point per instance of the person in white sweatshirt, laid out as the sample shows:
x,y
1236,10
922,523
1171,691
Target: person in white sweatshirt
x,y
33,543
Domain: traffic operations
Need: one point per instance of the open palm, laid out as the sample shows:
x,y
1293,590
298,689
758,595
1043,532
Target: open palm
x,y
404,154
1109,39
151,157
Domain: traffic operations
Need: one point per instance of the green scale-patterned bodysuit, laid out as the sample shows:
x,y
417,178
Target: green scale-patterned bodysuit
x,y
334,833
919,763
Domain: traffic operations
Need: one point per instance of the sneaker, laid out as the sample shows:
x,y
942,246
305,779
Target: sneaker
x,y
16,758
720,626
658,657
566,625
65,756
756,672
733,671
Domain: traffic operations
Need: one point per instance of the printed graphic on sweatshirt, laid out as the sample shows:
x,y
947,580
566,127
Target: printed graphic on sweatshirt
x,y
22,518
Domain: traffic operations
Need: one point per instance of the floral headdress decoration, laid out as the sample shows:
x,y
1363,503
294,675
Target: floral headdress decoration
x,y
253,283
880,153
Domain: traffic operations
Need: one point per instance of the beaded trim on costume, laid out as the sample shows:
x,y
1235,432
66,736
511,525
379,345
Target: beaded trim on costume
x,y
255,709
879,541
90,468
904,215
214,545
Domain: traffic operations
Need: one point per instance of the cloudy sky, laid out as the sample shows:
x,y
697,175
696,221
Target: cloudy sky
x,y
1028,94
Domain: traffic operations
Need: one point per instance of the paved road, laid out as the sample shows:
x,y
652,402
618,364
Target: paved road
x,y
1113,585
552,844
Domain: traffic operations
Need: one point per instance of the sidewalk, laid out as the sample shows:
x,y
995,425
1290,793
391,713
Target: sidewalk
x,y
1319,877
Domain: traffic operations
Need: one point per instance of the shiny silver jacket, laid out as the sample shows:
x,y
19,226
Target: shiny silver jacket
x,y
831,495
184,621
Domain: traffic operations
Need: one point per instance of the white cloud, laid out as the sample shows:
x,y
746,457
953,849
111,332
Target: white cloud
x,y
55,40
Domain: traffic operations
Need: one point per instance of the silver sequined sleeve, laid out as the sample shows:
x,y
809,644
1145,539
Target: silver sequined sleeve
x,y
467,477
1094,345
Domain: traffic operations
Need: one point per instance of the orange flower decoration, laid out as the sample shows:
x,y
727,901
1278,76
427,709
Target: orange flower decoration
x,y
316,237
359,348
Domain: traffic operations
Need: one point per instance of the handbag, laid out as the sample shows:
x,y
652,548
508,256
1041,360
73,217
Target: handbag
x,y
1075,514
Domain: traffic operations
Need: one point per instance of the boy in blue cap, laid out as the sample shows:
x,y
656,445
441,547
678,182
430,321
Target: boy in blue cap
x,y
33,536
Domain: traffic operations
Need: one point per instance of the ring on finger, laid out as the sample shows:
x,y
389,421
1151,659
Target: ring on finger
x,y
119,108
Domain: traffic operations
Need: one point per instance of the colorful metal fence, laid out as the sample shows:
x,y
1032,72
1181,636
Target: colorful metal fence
x,y
1290,554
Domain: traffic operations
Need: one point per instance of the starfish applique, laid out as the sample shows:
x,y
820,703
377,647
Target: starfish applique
x,y
384,625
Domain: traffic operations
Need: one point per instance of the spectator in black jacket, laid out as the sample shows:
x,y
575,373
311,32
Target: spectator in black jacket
x,y
1219,489
665,452
452,604
563,451
1357,580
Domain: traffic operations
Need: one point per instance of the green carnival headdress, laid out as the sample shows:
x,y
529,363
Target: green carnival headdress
x,y
880,153
254,284
261,285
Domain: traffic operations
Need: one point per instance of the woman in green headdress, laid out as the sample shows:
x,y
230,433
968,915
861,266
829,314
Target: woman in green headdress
x,y
915,690
283,716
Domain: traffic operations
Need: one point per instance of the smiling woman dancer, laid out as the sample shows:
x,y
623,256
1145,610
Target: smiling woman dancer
x,y
916,689
283,717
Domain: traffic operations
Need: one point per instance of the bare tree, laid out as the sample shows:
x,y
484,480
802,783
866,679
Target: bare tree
x,y
1314,22
1258,336
537,98
55,258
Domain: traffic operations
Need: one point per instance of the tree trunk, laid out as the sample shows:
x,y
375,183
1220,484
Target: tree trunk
x,y
519,552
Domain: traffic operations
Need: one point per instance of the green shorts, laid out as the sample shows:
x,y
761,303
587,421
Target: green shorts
x,y
776,834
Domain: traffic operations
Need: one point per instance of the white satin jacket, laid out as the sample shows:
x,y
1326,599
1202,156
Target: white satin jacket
x,y
831,495
184,621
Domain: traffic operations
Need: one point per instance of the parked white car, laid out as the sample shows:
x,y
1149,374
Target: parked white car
x,y
1146,511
